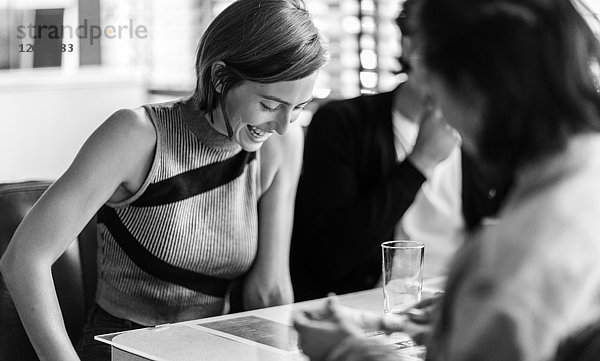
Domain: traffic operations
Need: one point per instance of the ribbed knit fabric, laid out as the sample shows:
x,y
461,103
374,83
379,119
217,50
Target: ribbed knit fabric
x,y
168,253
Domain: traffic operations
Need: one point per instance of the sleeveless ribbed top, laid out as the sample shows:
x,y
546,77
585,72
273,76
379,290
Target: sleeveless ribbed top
x,y
168,253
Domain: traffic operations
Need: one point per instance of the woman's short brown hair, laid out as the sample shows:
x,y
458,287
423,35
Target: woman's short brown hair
x,y
264,41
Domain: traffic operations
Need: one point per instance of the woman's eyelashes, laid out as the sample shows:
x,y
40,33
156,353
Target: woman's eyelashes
x,y
269,109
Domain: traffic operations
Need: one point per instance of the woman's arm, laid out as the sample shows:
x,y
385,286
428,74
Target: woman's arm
x,y
110,162
268,282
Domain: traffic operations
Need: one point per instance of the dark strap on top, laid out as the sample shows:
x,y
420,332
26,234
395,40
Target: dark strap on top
x,y
195,181
155,266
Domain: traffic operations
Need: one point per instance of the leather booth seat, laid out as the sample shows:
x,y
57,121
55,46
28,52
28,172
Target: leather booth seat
x,y
74,273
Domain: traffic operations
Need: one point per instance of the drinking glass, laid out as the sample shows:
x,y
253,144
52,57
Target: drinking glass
x,y
402,274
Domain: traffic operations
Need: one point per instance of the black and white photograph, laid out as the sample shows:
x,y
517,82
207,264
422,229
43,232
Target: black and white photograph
x,y
302,180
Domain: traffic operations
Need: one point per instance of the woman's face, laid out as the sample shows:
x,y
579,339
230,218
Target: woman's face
x,y
257,110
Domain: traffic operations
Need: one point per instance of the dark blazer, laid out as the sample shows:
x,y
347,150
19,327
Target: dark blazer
x,y
352,193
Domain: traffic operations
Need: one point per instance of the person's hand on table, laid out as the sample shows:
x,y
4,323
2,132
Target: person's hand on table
x,y
416,322
320,330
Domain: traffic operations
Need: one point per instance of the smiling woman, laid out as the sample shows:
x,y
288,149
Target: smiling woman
x,y
255,110
262,48
190,195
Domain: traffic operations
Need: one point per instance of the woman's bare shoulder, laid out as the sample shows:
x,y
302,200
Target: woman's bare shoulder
x,y
282,155
128,122
118,152
283,147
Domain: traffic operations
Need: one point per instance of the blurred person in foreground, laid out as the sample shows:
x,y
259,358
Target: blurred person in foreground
x,y
377,168
190,195
518,80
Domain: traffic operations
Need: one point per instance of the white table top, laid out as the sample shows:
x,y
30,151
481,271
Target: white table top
x,y
221,340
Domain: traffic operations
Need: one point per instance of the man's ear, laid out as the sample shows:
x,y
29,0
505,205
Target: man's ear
x,y
215,71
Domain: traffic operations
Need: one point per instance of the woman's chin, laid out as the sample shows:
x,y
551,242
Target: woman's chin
x,y
247,144
251,147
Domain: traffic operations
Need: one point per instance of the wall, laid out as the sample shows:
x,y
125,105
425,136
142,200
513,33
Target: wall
x,y
46,115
